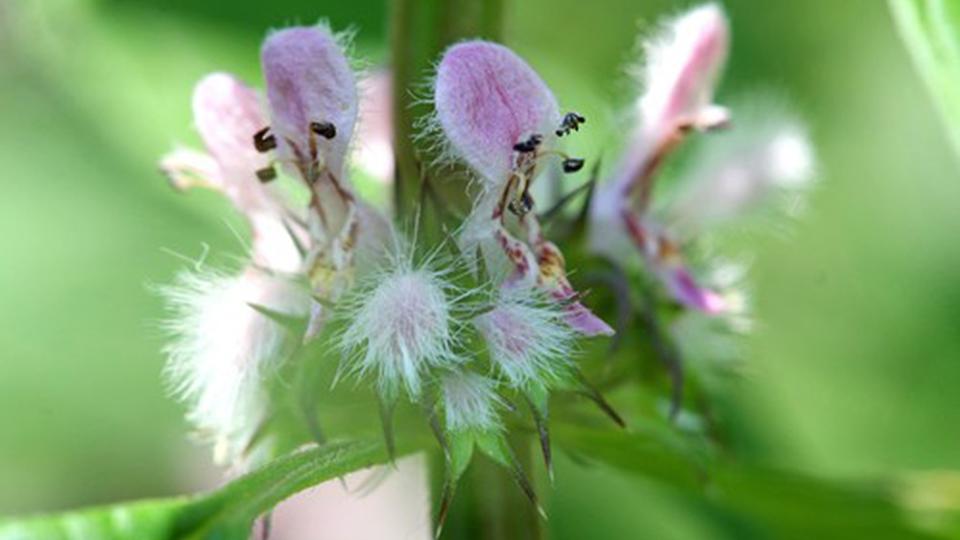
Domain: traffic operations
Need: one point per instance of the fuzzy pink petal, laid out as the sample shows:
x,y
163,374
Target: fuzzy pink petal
x,y
487,100
227,113
188,168
585,322
683,65
688,292
309,80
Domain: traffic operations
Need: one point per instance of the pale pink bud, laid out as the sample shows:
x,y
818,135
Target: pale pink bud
x,y
682,65
488,100
187,168
313,96
399,326
528,339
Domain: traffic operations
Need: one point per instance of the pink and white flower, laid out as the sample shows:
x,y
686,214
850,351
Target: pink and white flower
x,y
682,67
224,348
500,117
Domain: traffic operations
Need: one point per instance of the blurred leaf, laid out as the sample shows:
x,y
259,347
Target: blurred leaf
x,y
781,504
650,452
227,513
793,505
931,31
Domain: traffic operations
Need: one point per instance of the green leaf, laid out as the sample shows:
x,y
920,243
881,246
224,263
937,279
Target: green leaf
x,y
778,503
931,31
659,454
294,324
461,452
225,514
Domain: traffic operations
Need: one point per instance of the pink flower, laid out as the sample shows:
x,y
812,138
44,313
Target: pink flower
x,y
227,113
223,347
488,100
501,118
313,101
682,66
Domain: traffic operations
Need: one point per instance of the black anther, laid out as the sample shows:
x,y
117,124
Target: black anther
x,y
324,129
263,142
572,165
530,144
266,174
571,122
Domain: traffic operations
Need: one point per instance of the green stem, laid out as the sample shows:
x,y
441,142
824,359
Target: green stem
x,y
420,30
489,504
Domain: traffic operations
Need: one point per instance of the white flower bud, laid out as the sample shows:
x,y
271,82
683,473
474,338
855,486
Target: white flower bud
x,y
400,326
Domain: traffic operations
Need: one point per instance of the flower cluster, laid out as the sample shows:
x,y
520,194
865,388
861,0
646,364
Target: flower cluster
x,y
464,326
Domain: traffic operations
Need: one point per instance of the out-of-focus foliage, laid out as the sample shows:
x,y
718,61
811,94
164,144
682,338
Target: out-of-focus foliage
x,y
931,31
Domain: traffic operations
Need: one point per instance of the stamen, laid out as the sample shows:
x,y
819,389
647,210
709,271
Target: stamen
x,y
324,129
522,205
529,145
571,122
263,142
572,165
266,174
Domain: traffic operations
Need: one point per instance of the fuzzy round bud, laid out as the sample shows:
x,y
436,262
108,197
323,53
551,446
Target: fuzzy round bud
x,y
528,340
488,100
223,348
400,328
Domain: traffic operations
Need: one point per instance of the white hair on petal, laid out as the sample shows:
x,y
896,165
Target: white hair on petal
x,y
222,349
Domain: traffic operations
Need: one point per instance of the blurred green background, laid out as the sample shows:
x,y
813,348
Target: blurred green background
x,y
854,367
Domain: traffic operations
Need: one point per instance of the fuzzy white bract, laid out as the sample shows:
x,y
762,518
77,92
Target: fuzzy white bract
x,y
527,338
222,349
400,325
470,402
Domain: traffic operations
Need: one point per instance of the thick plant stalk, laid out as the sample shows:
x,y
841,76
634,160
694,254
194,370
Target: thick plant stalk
x,y
489,504
420,31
